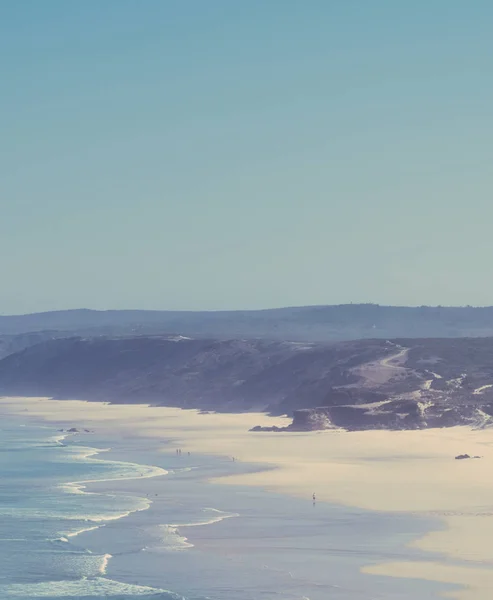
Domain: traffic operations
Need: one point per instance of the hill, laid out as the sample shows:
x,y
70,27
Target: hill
x,y
311,323
398,384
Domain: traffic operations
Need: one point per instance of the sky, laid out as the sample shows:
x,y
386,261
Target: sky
x,y
220,154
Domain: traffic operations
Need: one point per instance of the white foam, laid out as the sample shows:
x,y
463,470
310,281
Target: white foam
x,y
134,471
36,513
100,519
58,439
104,564
72,488
79,531
173,539
99,587
182,470
176,541
221,515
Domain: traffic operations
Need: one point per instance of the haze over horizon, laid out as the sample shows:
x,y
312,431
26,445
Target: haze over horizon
x,y
226,310
227,155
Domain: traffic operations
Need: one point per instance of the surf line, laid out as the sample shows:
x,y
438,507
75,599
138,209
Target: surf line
x,y
88,454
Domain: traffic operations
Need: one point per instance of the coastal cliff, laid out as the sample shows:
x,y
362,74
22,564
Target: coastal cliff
x,y
365,384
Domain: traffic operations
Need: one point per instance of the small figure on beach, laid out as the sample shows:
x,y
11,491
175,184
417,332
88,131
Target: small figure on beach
x,y
189,454
314,498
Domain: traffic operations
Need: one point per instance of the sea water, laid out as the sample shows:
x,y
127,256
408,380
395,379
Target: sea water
x,y
43,508
84,517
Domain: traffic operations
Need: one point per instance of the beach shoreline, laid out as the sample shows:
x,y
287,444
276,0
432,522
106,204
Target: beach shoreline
x,y
394,471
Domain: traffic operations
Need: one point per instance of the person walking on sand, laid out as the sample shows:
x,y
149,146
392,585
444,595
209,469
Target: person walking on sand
x,y
314,498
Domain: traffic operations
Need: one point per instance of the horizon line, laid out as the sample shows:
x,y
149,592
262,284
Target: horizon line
x,y
243,310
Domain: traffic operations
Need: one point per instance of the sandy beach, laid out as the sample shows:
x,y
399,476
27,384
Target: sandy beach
x,y
405,471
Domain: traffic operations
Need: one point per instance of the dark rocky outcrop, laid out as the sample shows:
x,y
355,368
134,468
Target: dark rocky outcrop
x,y
395,414
465,456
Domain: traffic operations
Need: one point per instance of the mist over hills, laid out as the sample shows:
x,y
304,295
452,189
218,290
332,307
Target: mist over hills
x,y
310,323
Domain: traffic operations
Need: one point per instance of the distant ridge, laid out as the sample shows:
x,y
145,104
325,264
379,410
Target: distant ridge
x,y
304,323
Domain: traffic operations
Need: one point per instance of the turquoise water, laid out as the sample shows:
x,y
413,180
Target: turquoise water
x,y
43,511
89,516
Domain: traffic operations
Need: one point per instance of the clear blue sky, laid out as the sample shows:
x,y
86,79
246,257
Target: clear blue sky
x,y
209,154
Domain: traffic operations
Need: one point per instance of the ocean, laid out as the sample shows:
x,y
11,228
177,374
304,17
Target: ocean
x,y
87,515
